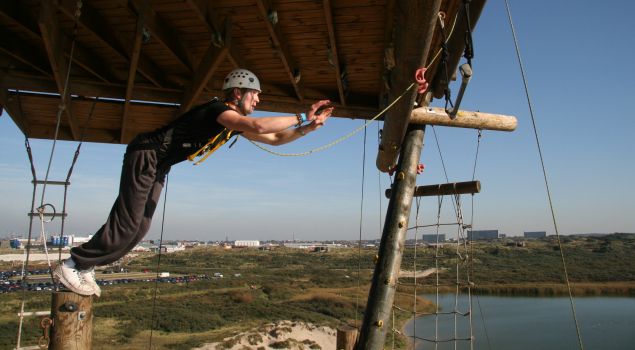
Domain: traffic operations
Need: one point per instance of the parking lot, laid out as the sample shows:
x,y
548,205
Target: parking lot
x,y
40,280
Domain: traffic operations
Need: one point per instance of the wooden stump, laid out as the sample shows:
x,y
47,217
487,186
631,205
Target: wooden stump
x,y
346,338
72,327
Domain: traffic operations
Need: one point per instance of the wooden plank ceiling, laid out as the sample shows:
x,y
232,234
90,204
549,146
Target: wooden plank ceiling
x,y
149,60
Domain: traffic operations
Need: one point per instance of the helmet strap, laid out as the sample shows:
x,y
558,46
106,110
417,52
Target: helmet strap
x,y
240,103
237,99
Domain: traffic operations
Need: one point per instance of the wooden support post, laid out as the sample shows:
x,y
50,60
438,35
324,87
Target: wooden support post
x,y
415,22
72,327
377,318
445,189
346,338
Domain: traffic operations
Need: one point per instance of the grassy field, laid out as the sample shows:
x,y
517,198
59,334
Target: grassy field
x,y
328,288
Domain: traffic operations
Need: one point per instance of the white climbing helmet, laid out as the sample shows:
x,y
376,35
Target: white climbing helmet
x,y
242,79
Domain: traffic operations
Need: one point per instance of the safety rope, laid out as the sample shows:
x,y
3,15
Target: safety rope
x,y
70,171
468,52
470,246
414,266
359,241
156,279
335,142
444,64
436,268
62,105
544,173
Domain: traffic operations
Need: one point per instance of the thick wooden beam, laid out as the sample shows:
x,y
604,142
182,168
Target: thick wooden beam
x,y
132,71
92,21
468,187
378,314
413,34
10,103
164,34
389,54
204,11
335,61
19,18
209,64
280,45
49,27
463,119
24,52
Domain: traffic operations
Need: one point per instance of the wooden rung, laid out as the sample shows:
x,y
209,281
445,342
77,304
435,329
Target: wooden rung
x,y
463,119
445,189
35,313
49,182
48,215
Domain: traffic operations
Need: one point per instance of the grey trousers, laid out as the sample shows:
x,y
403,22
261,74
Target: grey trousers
x,y
139,190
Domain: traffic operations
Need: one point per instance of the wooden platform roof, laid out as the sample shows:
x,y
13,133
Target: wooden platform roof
x,y
146,60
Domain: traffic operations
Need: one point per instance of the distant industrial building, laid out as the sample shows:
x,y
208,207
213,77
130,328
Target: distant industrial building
x,y
535,234
482,235
241,244
433,238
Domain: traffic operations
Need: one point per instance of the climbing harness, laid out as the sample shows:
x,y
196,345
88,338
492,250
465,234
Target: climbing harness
x,y
214,143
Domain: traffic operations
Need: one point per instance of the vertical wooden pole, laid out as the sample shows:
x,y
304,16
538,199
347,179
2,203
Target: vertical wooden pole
x,y
346,338
377,318
72,321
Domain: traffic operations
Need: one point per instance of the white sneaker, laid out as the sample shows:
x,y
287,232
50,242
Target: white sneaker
x,y
89,278
70,277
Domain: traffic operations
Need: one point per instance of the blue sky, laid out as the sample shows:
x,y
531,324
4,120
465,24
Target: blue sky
x,y
577,62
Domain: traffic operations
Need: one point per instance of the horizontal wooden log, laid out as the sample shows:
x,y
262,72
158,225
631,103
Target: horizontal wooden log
x,y
464,119
445,189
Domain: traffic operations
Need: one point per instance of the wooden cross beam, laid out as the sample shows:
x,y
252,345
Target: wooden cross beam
x,y
10,103
206,68
463,119
109,36
163,33
280,44
20,18
452,188
328,16
206,13
49,26
132,71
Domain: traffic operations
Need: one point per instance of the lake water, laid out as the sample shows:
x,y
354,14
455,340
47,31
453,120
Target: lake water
x,y
521,323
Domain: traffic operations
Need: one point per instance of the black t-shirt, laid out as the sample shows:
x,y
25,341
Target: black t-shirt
x,y
190,131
